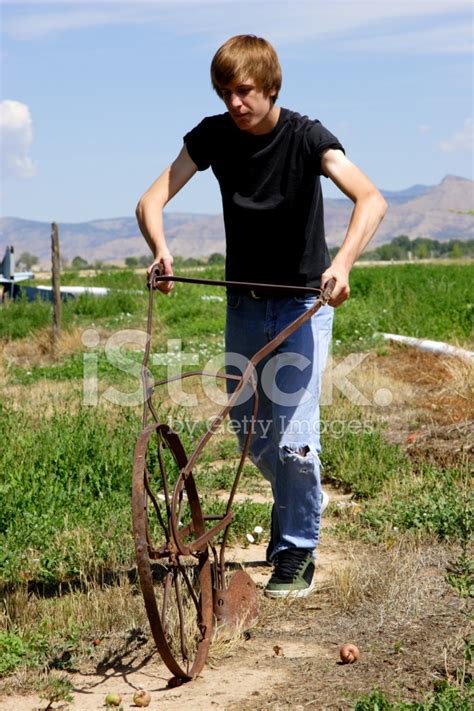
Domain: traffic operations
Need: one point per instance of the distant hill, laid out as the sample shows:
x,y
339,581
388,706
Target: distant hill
x,y
418,211
400,196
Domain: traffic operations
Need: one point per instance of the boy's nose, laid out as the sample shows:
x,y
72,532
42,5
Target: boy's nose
x,y
234,100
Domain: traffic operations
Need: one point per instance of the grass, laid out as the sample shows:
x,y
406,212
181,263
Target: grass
x,y
444,697
428,502
361,462
74,366
66,474
66,511
430,301
66,508
21,319
394,584
56,632
66,496
425,301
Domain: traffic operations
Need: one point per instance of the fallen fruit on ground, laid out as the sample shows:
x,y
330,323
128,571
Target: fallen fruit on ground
x,y
349,653
141,698
113,700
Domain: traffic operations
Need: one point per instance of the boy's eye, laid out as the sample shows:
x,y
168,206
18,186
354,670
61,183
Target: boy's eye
x,y
240,91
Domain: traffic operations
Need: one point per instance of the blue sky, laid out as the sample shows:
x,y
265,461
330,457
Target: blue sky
x,y
96,96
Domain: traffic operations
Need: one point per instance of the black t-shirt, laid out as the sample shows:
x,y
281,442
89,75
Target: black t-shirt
x,y
271,195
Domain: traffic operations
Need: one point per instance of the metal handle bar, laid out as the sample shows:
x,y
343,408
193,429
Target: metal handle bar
x,y
156,276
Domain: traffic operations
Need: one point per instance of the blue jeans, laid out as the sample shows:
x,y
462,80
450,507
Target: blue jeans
x,y
285,445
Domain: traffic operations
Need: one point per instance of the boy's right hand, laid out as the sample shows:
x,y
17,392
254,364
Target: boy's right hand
x,y
166,268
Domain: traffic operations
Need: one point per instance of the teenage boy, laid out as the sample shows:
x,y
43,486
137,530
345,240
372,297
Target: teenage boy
x,y
268,162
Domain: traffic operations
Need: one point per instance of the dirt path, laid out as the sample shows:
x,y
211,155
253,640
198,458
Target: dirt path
x,y
214,689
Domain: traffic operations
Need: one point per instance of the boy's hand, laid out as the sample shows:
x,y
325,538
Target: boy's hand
x,y
165,263
341,290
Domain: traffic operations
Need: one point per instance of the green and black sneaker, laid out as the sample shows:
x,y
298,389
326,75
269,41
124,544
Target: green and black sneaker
x,y
292,576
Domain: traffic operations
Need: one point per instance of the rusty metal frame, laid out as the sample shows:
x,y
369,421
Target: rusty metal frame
x,y
216,600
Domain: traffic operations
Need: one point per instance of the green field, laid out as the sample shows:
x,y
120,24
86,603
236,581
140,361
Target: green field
x,y
66,467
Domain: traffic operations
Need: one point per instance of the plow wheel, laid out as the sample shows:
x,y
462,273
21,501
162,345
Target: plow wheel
x,y
177,588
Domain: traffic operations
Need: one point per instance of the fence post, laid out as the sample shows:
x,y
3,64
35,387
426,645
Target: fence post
x,y
55,271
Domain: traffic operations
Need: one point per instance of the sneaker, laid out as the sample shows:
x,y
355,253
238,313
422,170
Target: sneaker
x,y
323,507
292,575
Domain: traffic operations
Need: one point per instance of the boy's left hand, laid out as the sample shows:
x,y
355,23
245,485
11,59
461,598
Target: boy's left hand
x,y
341,290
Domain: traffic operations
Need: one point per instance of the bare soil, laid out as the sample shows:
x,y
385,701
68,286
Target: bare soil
x,y
394,604
290,660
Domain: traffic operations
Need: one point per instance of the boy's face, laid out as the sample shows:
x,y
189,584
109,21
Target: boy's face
x,y
250,109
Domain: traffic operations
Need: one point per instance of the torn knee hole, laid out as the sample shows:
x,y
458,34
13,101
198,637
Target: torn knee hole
x,y
302,451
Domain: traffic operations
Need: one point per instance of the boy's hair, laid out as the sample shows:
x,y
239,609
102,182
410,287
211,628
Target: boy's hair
x,y
245,56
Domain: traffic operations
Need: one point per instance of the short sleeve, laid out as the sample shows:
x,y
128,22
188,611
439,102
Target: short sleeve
x,y
199,144
319,139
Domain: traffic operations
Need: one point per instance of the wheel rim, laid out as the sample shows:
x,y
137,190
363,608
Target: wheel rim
x,y
177,590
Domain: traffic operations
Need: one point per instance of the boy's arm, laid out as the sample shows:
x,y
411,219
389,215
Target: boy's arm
x,y
368,212
149,210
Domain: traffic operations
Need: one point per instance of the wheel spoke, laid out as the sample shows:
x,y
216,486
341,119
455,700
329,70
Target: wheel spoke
x,y
184,651
163,476
190,590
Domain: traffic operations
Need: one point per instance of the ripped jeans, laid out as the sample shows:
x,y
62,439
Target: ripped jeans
x,y
285,445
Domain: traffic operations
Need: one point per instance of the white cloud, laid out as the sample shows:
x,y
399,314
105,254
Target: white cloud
x,y
376,25
462,140
16,131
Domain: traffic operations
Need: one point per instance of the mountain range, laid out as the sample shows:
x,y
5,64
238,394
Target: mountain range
x,y
437,211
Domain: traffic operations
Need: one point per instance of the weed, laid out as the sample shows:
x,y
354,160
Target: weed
x,y
434,502
17,649
54,689
444,697
460,575
375,701
362,462
12,652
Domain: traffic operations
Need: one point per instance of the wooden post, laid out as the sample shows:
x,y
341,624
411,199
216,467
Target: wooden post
x,y
55,273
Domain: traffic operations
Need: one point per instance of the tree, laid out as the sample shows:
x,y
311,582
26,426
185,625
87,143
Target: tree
x,y
27,260
216,258
79,263
131,262
421,248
